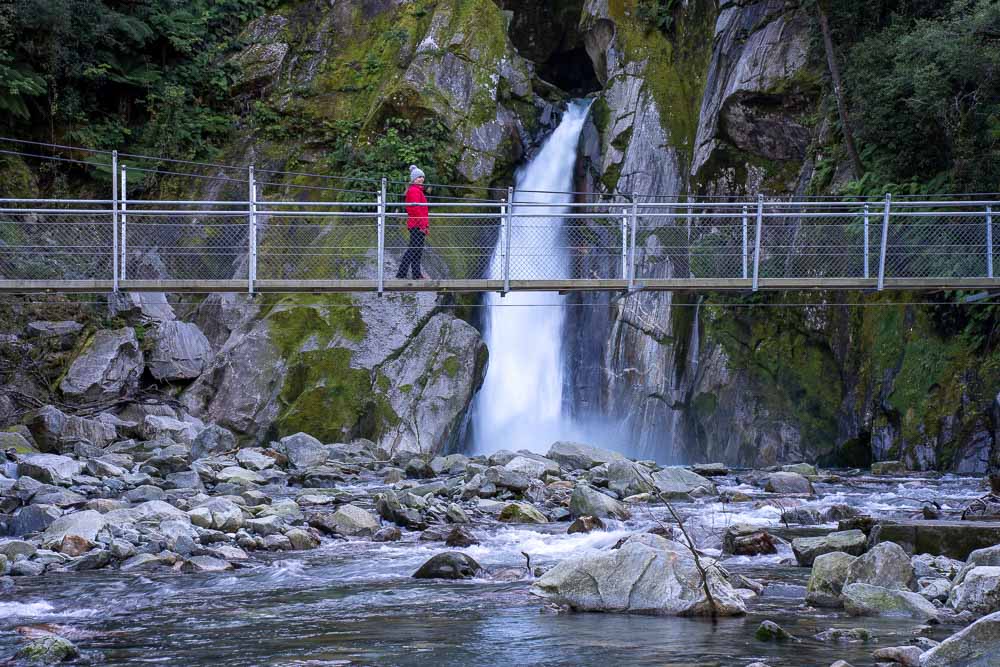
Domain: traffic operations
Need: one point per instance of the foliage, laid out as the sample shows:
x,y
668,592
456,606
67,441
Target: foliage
x,y
146,76
658,14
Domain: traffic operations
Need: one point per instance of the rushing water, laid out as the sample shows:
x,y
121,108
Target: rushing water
x,y
521,402
354,603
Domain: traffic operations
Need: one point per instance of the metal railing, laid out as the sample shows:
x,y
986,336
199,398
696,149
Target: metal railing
x,y
272,245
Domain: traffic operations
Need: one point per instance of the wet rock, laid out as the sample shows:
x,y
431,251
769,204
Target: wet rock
x,y
212,440
747,540
804,469
976,646
205,564
460,538
585,524
47,650
888,468
55,431
676,481
811,516
15,549
108,367
303,450
934,588
909,656
587,501
449,565
769,631
391,509
418,468
885,565
456,514
302,540
788,482
577,456
270,525
925,565
988,557
80,527
978,593
388,534
627,478
177,351
637,578
353,521
826,582
869,600
806,549
710,469
50,468
218,514
521,513
955,539
26,568
842,635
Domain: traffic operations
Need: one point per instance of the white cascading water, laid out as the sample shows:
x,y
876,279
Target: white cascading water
x,y
520,405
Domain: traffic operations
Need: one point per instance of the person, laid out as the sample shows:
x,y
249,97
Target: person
x,y
418,222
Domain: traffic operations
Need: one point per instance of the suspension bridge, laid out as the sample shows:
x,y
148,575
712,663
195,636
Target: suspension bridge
x,y
508,242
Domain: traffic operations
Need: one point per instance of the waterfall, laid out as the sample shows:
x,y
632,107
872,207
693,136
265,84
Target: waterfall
x,y
521,402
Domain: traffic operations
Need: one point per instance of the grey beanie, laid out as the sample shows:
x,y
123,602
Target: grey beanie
x,y
415,172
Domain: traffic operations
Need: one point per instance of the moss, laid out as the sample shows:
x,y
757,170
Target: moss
x,y
600,112
451,365
704,406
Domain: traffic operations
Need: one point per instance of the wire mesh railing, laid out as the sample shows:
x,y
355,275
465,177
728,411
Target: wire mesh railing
x,y
476,244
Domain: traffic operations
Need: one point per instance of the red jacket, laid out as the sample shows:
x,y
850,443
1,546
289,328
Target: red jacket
x,y
417,215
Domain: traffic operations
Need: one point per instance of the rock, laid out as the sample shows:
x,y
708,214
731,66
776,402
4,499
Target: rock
x,y
65,332
80,527
389,508
212,440
829,573
388,534
177,351
576,456
55,431
811,516
507,479
188,479
934,588
678,481
269,525
456,514
17,442
803,469
26,568
535,467
909,656
710,469
637,578
976,646
144,493
587,501
50,468
448,565
153,512
585,524
889,468
353,521
628,479
869,600
988,557
14,549
303,450
885,565
978,593
788,482
842,635
806,549
521,513
302,540
47,650
254,459
108,367
33,519
218,514
955,539
460,538
205,564
747,540
769,631
925,565
417,468
239,476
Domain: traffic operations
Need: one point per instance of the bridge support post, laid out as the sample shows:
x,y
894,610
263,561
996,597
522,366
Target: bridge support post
x,y
252,232
123,241
865,250
634,224
624,244
746,236
502,237
989,241
114,221
507,235
380,234
756,242
885,241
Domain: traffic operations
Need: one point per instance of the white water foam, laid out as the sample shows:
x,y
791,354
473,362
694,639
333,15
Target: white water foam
x,y
521,402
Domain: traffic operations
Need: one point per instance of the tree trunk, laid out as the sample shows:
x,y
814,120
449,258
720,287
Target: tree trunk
x,y
838,91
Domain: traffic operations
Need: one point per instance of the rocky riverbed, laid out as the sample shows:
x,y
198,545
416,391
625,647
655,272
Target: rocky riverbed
x,y
182,547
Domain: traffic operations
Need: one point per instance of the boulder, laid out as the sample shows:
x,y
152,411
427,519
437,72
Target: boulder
x,y
265,526
978,593
577,456
48,649
167,428
769,631
108,367
521,513
788,482
391,509
50,468
934,588
449,565
505,478
637,578
988,557
976,646
535,467
588,501
303,450
869,600
55,431
885,565
710,469
627,478
353,521
826,582
806,549
239,476
302,540
908,656
888,468
212,440
218,514
177,351
585,524
460,538
33,519
804,469
79,527
747,540
954,539
64,333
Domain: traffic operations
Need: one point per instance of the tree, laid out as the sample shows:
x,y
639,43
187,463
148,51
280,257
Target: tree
x,y
838,91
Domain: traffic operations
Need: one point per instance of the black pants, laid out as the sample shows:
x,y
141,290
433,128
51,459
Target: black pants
x,y
411,258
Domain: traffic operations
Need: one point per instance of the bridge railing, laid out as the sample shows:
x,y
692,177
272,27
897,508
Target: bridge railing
x,y
477,245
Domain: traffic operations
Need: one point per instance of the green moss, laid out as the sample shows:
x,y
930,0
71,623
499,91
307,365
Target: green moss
x,y
451,365
600,112
704,406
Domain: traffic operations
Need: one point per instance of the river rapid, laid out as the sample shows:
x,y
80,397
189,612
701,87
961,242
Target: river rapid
x,y
353,602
